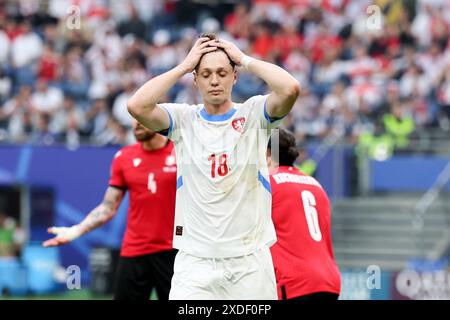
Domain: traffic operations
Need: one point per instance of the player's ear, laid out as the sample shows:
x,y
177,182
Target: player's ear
x,y
268,157
195,78
235,76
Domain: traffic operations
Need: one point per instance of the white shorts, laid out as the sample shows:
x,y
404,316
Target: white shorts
x,y
249,277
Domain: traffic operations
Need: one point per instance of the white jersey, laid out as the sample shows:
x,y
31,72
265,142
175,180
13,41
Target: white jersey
x,y
223,201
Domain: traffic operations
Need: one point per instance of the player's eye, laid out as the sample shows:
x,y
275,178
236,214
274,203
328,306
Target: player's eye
x,y
205,75
222,74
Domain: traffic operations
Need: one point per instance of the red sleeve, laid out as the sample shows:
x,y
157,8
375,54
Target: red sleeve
x,y
116,178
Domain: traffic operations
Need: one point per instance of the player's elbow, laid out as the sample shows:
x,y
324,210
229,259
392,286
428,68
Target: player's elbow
x,y
136,108
133,107
111,215
292,89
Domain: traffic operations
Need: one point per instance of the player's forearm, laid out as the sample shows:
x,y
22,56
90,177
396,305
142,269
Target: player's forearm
x,y
146,97
96,218
278,79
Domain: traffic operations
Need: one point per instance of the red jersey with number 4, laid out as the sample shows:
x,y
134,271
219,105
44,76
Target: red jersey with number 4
x,y
150,178
303,254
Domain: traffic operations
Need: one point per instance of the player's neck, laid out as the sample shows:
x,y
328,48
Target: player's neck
x,y
272,165
156,142
218,109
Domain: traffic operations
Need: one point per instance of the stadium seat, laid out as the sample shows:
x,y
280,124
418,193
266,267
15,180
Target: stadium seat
x,y
41,264
13,277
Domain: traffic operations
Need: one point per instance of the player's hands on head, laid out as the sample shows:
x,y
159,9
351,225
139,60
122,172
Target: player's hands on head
x,y
233,52
202,45
64,235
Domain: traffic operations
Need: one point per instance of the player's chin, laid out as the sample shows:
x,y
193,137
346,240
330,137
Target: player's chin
x,y
217,98
144,136
138,135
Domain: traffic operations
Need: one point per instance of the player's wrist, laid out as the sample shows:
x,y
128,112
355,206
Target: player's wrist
x,y
245,61
183,68
74,232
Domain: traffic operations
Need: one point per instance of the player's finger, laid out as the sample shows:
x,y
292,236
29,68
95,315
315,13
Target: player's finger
x,y
197,43
56,230
223,43
208,49
50,243
201,41
55,242
207,44
51,230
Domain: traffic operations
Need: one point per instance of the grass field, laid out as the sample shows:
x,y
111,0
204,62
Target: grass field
x,y
66,295
83,294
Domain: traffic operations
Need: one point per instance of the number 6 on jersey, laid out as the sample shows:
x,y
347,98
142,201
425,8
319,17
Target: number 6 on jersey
x,y
312,219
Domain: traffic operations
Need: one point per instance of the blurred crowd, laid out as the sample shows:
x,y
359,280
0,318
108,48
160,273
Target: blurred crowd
x,y
67,67
12,236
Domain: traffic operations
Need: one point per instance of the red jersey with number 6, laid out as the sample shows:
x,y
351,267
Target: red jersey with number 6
x,y
303,254
150,178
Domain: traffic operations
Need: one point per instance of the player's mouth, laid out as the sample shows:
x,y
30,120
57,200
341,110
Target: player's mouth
x,y
215,92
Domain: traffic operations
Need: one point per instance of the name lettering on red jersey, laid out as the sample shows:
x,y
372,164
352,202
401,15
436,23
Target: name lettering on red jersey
x,y
287,177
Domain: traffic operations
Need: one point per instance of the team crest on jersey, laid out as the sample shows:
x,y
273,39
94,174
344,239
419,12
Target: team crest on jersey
x,y
238,124
136,162
170,164
170,160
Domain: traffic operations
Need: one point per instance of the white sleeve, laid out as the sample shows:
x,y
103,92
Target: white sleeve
x,y
176,112
259,103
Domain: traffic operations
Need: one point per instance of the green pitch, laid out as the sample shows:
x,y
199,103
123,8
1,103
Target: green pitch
x,y
83,294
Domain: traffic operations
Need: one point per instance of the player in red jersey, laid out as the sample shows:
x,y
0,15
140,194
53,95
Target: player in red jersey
x,y
147,170
303,256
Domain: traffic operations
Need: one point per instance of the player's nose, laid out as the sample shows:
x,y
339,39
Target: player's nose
x,y
214,80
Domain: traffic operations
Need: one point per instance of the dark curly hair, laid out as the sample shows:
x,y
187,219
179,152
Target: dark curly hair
x,y
287,147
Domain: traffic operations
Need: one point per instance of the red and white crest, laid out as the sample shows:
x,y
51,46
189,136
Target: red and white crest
x,y
238,124
170,160
170,165
136,162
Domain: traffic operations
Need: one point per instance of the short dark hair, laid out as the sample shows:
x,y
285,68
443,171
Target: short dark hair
x,y
288,151
210,35
213,36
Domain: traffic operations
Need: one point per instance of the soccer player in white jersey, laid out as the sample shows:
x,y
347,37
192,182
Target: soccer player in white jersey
x,y
223,227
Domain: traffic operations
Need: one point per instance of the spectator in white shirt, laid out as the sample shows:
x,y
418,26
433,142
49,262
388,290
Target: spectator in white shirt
x,y
120,111
47,99
4,48
27,47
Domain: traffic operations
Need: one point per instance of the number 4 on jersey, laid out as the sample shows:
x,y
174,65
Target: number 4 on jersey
x,y
312,219
151,183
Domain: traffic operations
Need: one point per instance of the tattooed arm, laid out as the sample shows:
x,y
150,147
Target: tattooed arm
x,y
96,218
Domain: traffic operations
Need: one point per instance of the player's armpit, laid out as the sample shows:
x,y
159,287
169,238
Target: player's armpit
x,y
118,187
